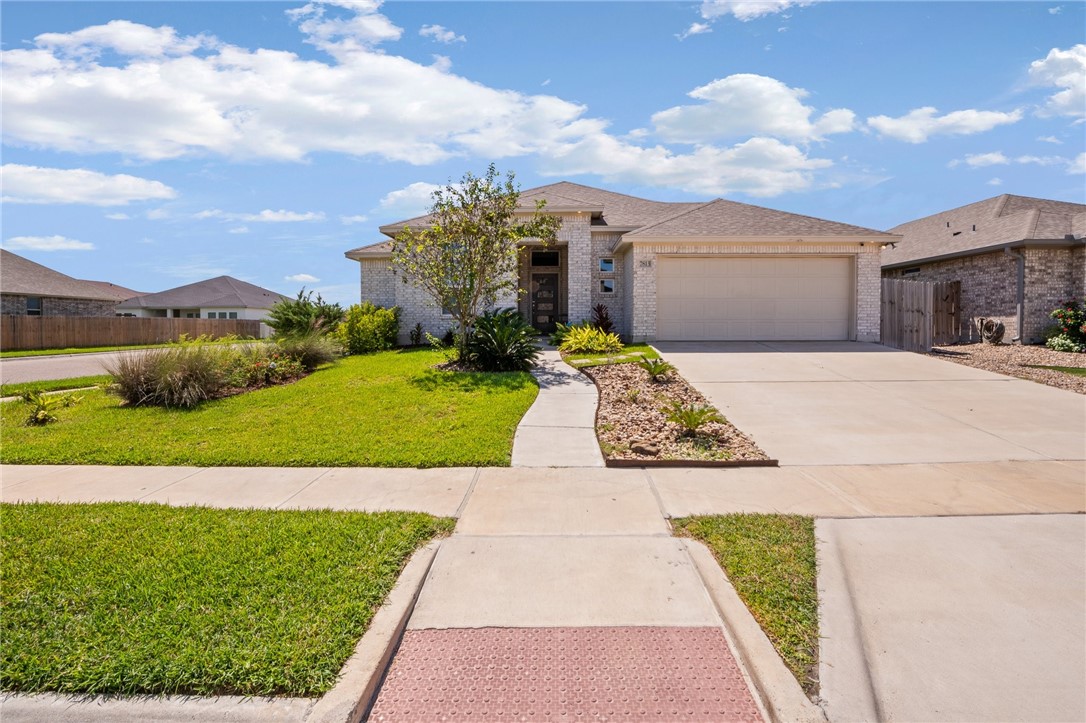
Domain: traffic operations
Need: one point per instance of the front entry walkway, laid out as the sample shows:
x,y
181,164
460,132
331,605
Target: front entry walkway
x,y
559,430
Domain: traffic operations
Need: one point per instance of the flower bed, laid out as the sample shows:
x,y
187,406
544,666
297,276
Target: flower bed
x,y
632,426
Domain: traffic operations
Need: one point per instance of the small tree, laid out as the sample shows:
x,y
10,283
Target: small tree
x,y
467,258
304,315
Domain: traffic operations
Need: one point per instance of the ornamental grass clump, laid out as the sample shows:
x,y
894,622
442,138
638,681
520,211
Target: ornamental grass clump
x,y
179,376
311,350
589,340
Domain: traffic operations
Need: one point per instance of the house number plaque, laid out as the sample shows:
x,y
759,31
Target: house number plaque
x,y
646,263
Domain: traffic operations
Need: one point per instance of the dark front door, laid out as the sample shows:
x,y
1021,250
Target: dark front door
x,y
544,301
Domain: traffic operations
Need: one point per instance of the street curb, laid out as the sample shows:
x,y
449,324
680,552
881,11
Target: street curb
x,y
354,692
780,692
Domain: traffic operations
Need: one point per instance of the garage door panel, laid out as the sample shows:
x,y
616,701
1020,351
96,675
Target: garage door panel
x,y
754,298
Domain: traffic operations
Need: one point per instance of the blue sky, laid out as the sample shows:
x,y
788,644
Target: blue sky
x,y
153,144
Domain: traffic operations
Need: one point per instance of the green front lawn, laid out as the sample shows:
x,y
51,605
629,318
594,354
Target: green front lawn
x,y
770,560
629,353
389,409
134,598
54,385
1077,371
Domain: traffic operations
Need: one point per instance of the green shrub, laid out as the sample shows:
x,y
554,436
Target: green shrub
x,y
260,365
1070,331
177,376
311,350
43,405
690,417
416,334
589,340
658,369
367,328
502,341
304,315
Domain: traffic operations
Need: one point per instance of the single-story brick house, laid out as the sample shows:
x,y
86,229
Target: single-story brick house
x,y
716,270
223,297
30,289
1017,258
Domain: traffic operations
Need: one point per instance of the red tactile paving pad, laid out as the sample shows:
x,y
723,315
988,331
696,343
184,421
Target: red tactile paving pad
x,y
564,674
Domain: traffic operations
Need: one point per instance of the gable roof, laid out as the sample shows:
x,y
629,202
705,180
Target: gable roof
x,y
20,275
220,292
985,226
731,218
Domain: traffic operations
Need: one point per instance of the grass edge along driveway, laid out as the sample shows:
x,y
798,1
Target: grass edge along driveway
x,y
143,598
771,562
388,409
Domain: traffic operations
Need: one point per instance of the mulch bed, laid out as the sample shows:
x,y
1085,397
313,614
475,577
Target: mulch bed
x,y
627,419
1010,359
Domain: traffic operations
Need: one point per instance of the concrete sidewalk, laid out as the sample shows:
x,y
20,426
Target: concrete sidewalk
x,y
854,491
559,430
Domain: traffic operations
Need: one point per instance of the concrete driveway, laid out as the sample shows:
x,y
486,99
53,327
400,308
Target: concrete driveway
x,y
843,403
953,618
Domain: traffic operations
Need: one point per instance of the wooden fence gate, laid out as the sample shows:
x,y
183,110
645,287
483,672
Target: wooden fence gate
x,y
917,315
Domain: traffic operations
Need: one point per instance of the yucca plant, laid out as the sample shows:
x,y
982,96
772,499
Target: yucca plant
x,y
590,340
502,341
690,417
42,406
658,369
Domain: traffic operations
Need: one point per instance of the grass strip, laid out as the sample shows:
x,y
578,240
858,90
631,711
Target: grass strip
x,y
389,409
630,353
53,385
98,349
770,560
1077,371
135,598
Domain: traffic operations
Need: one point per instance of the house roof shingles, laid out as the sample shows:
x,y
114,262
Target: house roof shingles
x,y
997,221
22,276
730,218
220,292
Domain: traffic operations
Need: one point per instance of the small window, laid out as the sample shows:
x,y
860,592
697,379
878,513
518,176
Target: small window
x,y
211,314
607,266
607,286
911,272
544,258
233,315
222,314
33,306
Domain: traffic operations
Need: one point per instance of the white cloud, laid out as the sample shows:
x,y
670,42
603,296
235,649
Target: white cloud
x,y
1050,139
980,160
1064,69
124,38
1078,165
997,158
747,104
238,230
695,29
1042,160
303,278
33,184
1055,10
118,216
758,167
265,216
441,34
412,200
157,214
47,243
746,10
343,34
995,182
918,125
349,220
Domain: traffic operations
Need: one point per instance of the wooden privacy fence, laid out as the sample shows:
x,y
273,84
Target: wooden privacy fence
x,y
62,332
917,315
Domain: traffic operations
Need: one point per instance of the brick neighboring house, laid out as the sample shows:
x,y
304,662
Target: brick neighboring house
x,y
1017,258
30,289
716,270
222,297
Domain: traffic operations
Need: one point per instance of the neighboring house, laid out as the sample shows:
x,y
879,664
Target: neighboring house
x,y
1017,257
223,297
716,270
30,289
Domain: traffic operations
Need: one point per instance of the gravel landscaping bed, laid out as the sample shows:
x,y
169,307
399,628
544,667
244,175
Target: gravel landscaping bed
x,y
630,418
1011,359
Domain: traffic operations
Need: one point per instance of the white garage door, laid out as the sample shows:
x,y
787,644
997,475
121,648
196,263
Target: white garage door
x,y
729,298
